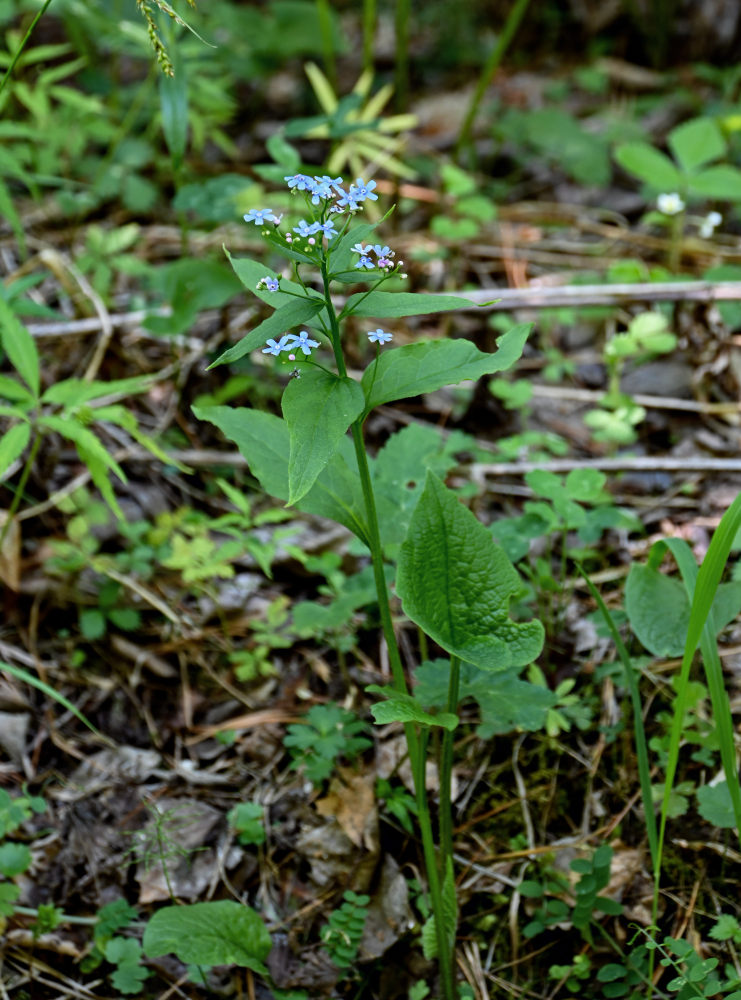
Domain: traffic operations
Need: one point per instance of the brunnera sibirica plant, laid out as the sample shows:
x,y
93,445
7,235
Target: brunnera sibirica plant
x,y
453,580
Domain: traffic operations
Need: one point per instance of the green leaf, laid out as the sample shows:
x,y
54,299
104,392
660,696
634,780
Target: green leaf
x,y
318,409
12,389
250,272
20,347
696,142
722,182
75,391
456,583
173,92
396,304
13,444
295,311
658,610
398,474
215,933
263,439
649,165
86,442
405,708
14,859
714,805
92,624
425,367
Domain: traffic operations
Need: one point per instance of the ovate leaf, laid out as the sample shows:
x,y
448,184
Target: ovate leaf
x,y
263,439
223,932
406,708
658,610
318,409
714,805
14,858
697,142
720,182
456,583
417,368
649,165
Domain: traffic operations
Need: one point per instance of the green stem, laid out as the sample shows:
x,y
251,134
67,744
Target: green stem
x,y
22,46
401,24
444,951
324,16
416,746
446,766
18,494
512,23
369,31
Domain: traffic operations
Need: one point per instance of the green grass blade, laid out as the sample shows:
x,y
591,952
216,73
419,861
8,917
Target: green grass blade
x,y
644,773
23,675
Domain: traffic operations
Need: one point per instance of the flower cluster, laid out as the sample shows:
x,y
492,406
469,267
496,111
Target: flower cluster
x,y
709,224
271,284
291,342
330,189
383,256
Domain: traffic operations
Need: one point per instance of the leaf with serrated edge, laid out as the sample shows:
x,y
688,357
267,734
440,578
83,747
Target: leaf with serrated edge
x,y
425,367
456,584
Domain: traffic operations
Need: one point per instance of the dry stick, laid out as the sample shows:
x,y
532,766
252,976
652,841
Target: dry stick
x,y
604,295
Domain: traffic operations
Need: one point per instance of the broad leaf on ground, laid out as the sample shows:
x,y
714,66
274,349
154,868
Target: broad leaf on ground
x,y
222,932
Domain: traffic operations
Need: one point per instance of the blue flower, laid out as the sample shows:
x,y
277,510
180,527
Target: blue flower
x,y
321,189
347,201
275,347
260,216
304,229
301,182
359,191
360,248
328,229
271,284
379,336
304,342
335,182
365,262
382,251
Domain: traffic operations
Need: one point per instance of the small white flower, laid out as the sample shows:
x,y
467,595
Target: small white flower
x,y
670,204
709,224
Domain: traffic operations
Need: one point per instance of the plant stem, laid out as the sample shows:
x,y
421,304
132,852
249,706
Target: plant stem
x,y
446,766
416,746
22,46
401,73
369,31
324,16
18,494
511,25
